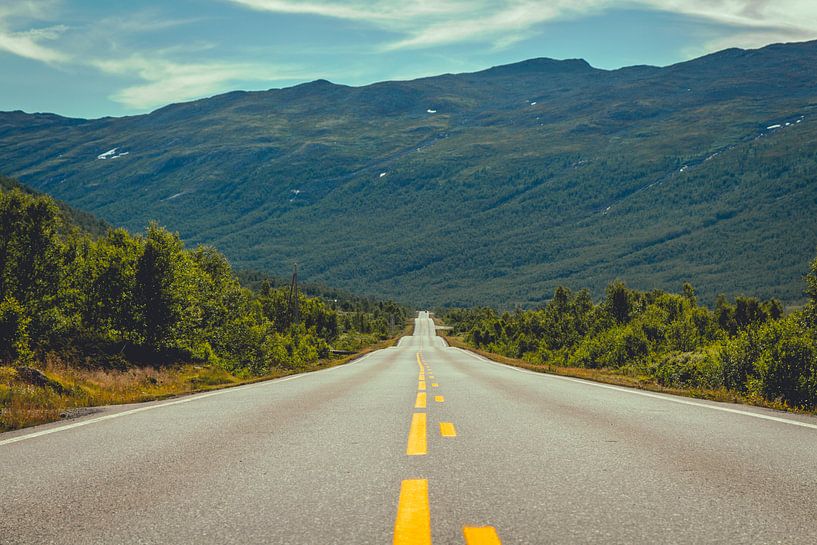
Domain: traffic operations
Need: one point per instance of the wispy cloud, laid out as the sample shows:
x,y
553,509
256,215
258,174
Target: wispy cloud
x,y
752,23
428,24
385,12
781,14
424,23
502,27
31,42
161,76
164,81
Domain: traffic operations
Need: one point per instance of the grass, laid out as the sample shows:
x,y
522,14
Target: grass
x,y
23,405
630,379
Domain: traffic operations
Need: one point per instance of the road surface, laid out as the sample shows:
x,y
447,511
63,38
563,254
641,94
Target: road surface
x,y
357,455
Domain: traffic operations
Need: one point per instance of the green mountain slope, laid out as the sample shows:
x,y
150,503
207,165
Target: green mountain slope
x,y
490,187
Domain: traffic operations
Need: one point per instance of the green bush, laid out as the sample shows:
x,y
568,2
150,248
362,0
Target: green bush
x,y
14,338
612,348
296,350
738,360
787,368
689,370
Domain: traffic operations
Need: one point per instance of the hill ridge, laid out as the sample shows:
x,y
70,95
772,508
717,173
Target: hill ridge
x,y
489,186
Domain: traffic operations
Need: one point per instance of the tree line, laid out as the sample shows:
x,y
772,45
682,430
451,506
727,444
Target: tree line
x,y
746,345
118,299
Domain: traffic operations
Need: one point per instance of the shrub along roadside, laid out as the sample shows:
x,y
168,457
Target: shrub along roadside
x,y
744,350
65,390
620,377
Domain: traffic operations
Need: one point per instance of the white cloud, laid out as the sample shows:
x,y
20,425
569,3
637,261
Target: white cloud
x,y
29,43
501,27
754,23
426,24
161,75
781,14
164,81
386,12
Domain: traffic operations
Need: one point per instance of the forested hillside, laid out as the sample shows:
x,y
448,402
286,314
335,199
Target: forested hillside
x,y
492,187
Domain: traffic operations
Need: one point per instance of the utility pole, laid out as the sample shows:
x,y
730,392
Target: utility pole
x,y
294,303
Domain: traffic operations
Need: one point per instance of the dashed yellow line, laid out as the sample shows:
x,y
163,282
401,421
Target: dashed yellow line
x,y
413,523
417,445
420,402
483,535
447,429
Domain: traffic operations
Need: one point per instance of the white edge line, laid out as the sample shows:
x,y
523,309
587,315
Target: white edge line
x,y
633,391
194,397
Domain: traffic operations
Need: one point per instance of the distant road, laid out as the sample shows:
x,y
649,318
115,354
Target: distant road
x,y
415,444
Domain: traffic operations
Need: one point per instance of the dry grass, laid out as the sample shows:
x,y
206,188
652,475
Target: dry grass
x,y
624,378
26,404
23,404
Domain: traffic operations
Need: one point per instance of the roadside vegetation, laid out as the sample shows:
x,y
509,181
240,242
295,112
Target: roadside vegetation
x,y
90,319
742,350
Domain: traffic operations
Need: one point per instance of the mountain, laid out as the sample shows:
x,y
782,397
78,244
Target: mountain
x,y
484,188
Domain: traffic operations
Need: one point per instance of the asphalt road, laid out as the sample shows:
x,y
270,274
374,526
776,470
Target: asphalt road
x,y
356,455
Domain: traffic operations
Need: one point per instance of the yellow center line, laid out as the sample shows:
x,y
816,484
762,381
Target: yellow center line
x,y
419,361
439,399
421,377
435,385
421,385
420,403
484,535
413,523
447,429
417,436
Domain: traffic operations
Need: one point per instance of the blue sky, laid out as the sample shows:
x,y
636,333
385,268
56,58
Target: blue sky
x,y
92,58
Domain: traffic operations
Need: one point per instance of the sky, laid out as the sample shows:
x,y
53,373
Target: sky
x,y
95,58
